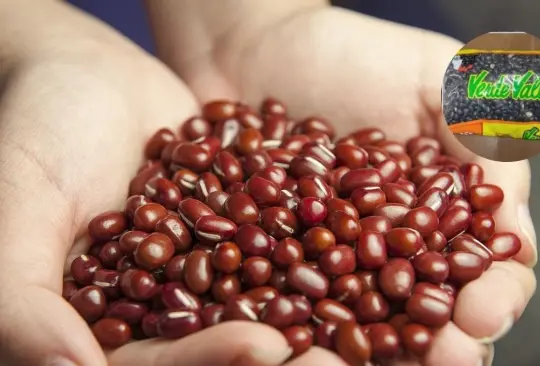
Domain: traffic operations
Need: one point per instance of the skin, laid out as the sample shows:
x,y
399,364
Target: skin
x,y
70,116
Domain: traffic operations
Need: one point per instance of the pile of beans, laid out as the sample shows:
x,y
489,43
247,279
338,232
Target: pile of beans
x,y
358,245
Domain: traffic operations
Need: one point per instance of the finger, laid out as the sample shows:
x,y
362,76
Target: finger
x,y
514,179
487,308
227,344
451,347
317,356
38,327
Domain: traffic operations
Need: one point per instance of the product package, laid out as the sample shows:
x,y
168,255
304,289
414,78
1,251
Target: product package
x,y
493,92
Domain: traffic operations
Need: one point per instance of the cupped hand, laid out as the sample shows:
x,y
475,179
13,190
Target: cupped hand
x,y
359,71
77,104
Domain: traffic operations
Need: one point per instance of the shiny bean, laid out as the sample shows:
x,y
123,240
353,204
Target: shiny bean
x,y
198,272
454,222
299,339
422,219
154,251
431,266
365,200
278,222
129,311
503,246
256,271
467,243
403,242
337,260
396,279
371,307
195,128
352,344
287,251
346,289
395,193
316,240
89,302
164,192
225,286
252,241
370,250
241,307
176,324
185,180
416,338
378,224
345,228
278,312
307,281
314,186
107,225
464,267
111,333
212,315
192,156
190,210
331,310
384,339
83,269
394,212
360,178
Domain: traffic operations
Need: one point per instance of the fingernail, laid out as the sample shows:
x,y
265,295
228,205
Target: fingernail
x,y
527,229
267,357
489,356
505,328
59,361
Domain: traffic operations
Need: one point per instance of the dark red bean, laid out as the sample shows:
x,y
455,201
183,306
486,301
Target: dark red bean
x,y
256,271
346,289
467,243
295,143
464,267
442,180
110,254
337,260
371,307
89,302
360,178
313,186
384,341
473,174
164,192
420,142
206,184
345,228
287,251
338,204
324,335
396,279
376,155
425,155
434,198
216,202
176,231
149,324
454,222
175,324
248,141
278,222
370,250
185,180
434,291
190,210
331,310
482,226
436,241
111,333
431,266
302,309
136,186
395,193
214,229
69,288
249,119
108,281
485,197
226,257
125,263
107,226
157,143
273,106
308,281
192,156
321,153
138,284
241,307
394,212
262,294
129,241
333,177
378,224
154,251
147,216
422,219
241,209
227,168
503,246
278,312
299,339
133,203
252,241
369,280
175,295
420,174
459,183
290,185
403,242
416,338
256,162
404,162
315,124
365,200
175,267
219,110
195,128
316,240
351,343
368,136
351,156
389,169
129,311
212,315
311,211
225,286
198,272
263,191
83,269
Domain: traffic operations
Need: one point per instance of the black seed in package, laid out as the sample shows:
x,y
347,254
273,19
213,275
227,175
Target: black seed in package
x,y
493,93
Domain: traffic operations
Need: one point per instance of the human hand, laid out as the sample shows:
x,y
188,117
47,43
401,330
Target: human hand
x,y
77,103
359,71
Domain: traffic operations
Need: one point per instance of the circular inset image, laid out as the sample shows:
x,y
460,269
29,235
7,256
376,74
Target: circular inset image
x,y
491,96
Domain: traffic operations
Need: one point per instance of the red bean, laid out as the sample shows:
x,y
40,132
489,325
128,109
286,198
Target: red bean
x,y
331,310
464,267
454,222
372,307
503,246
467,243
241,209
198,272
443,181
346,289
396,279
225,286
416,338
252,241
368,136
431,266
175,324
308,281
299,339
360,178
365,200
83,269
345,228
397,194
337,260
370,250
241,307
176,231
107,226
111,333
313,186
154,251
384,341
212,315
89,302
403,242
389,169
316,240
351,343
422,219
379,224
473,174
278,312
138,284
485,197
261,295
256,271
393,212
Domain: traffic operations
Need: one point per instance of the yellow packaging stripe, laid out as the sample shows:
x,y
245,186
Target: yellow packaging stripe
x,y
510,129
470,51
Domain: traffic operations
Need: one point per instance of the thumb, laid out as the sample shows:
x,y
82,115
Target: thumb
x,y
38,326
